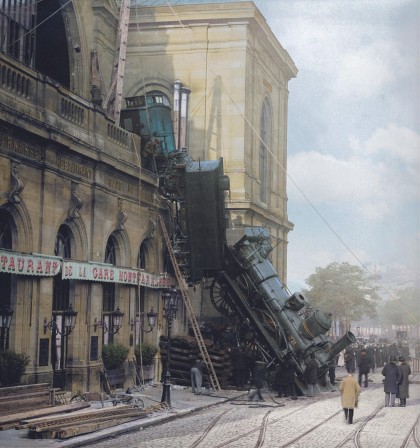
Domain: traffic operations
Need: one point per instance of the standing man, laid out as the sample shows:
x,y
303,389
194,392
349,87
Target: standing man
x,y
403,387
392,374
364,367
197,371
311,375
349,360
350,391
257,381
241,367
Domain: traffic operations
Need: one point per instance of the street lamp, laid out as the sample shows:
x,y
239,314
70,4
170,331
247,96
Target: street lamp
x,y
170,307
358,330
151,320
116,316
5,319
69,322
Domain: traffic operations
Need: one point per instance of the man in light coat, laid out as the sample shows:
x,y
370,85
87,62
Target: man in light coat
x,y
350,391
392,374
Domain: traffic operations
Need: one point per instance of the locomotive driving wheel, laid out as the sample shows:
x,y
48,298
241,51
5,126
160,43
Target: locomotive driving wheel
x,y
220,298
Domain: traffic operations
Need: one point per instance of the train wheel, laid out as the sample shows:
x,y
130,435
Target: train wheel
x,y
220,298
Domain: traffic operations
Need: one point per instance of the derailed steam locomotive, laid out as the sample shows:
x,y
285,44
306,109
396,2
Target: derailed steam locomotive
x,y
245,285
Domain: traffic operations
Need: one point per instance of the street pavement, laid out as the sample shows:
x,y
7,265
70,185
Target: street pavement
x,y
390,426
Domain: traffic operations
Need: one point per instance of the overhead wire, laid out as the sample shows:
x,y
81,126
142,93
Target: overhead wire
x,y
277,161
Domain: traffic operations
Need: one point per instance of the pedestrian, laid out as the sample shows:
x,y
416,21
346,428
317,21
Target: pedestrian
x,y
286,380
241,367
403,386
331,373
257,381
364,367
197,371
349,361
350,391
392,374
310,375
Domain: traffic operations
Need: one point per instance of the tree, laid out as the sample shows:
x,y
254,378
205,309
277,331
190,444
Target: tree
x,y
403,310
347,292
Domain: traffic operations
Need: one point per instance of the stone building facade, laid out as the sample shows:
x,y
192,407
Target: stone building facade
x,y
78,211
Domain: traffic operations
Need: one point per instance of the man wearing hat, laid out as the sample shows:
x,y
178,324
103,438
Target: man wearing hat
x,y
392,374
403,387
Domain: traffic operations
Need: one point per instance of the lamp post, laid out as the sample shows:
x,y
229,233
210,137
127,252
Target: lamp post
x,y
69,323
116,316
358,330
151,320
5,319
170,306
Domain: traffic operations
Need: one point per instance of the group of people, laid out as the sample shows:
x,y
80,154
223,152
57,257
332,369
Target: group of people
x,y
396,378
396,384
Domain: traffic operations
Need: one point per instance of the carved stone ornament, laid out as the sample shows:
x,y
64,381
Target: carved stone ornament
x,y
75,202
122,216
16,185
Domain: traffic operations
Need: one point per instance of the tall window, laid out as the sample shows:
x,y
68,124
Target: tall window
x,y
265,133
33,32
108,303
61,299
5,279
17,29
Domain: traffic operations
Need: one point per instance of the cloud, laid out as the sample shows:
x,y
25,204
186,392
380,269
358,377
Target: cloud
x,y
375,177
365,72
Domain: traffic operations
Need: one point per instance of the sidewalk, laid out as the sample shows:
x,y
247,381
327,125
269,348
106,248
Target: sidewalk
x,y
182,399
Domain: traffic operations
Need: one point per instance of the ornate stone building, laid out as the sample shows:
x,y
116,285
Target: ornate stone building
x,y
78,209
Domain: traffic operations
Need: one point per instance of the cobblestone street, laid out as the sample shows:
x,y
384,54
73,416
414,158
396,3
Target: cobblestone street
x,y
317,422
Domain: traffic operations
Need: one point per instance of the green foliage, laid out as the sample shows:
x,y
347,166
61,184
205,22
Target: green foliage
x,y
147,352
403,309
114,355
12,367
347,292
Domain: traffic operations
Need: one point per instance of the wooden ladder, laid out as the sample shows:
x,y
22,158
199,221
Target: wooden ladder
x,y
191,316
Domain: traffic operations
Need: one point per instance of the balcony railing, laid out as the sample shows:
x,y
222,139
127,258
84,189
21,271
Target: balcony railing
x,y
39,100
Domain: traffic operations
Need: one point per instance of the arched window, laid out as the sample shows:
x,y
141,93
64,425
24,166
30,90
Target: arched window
x,y
5,279
61,301
265,134
140,293
62,249
109,293
26,29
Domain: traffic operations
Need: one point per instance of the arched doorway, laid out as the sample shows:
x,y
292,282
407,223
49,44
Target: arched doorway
x,y
5,278
61,302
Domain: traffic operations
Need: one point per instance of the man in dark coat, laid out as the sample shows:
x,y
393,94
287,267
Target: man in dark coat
x,y
364,367
392,374
349,360
286,380
241,367
257,381
310,375
403,387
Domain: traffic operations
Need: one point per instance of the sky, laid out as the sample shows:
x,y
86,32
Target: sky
x,y
353,135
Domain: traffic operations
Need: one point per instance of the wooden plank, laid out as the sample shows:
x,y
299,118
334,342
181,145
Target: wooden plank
x,y
22,416
85,429
22,388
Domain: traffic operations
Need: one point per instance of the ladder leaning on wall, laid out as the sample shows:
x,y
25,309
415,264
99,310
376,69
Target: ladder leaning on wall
x,y
191,316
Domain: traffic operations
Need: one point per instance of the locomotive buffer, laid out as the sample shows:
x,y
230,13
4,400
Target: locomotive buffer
x,y
196,328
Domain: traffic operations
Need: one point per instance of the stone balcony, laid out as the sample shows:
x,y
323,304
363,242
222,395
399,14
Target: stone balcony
x,y
40,105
